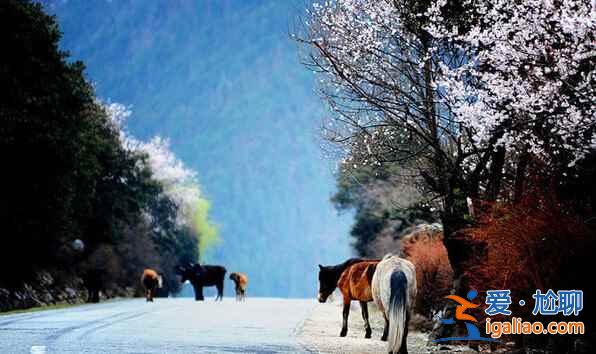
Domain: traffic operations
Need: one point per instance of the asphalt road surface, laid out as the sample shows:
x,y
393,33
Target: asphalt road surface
x,y
259,325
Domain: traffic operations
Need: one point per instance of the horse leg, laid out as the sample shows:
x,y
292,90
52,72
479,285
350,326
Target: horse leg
x,y
403,349
198,292
385,329
219,291
364,308
346,313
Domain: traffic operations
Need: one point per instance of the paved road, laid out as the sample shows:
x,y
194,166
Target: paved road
x,y
260,325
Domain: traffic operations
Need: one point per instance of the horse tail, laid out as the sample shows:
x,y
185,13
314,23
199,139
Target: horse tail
x,y
397,310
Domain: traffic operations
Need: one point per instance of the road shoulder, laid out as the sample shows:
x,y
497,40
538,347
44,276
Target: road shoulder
x,y
319,333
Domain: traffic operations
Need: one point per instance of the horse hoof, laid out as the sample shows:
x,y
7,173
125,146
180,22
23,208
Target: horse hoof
x,y
384,338
367,335
343,333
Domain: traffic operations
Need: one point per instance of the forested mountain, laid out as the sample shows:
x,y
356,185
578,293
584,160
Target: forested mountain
x,y
222,80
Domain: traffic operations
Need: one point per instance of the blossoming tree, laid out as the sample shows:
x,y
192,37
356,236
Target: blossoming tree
x,y
462,92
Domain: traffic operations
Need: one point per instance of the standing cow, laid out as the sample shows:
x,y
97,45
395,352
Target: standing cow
x,y
203,275
151,281
240,282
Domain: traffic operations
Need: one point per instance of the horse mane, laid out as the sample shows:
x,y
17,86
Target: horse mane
x,y
342,266
387,256
337,269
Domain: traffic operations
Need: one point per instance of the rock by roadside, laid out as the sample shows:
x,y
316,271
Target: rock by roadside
x,y
45,290
319,333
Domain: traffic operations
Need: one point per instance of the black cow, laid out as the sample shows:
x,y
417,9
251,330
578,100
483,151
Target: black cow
x,y
203,275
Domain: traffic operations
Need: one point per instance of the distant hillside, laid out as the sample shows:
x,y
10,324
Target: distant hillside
x,y
223,81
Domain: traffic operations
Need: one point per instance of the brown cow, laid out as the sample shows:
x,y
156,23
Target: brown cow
x,y
355,284
240,281
151,280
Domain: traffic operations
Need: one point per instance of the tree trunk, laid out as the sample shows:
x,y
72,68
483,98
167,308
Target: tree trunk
x,y
461,252
496,174
520,177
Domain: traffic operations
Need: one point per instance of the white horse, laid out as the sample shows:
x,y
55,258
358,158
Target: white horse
x,y
394,293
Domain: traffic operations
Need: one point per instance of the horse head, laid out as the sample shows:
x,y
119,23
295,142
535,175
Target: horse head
x,y
197,269
191,272
183,272
327,282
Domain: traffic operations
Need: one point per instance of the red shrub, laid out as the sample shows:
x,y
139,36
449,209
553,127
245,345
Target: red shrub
x,y
424,247
534,244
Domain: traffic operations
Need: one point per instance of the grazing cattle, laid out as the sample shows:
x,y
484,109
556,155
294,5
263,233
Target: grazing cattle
x,y
203,275
329,275
151,281
355,284
240,283
394,292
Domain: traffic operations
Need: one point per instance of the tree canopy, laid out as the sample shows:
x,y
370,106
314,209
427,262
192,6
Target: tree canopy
x,y
73,173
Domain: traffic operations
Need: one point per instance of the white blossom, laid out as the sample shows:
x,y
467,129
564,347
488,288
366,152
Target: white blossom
x,y
518,75
540,56
178,181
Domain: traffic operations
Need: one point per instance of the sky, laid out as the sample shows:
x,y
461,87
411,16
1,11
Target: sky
x,y
222,80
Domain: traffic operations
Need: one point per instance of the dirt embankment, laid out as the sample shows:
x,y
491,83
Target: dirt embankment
x,y
319,333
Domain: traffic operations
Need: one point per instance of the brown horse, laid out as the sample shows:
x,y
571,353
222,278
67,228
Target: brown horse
x,y
329,276
151,280
355,284
240,282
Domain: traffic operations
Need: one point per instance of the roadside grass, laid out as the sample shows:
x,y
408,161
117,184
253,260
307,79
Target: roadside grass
x,y
60,306
40,308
